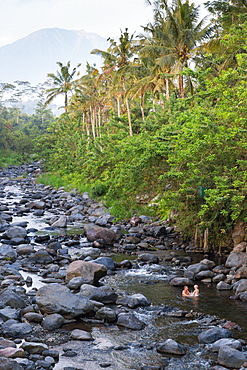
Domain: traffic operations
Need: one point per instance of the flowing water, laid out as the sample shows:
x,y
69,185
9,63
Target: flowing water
x,y
130,349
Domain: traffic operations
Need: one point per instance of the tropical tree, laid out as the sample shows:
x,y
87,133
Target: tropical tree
x,y
62,83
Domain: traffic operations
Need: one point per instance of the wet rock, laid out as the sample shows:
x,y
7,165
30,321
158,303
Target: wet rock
x,y
107,262
41,256
94,232
8,364
13,329
218,278
34,347
233,343
89,252
106,314
130,321
77,282
15,232
56,298
78,334
231,358
12,352
133,300
53,321
240,286
61,222
89,270
148,258
241,273
170,346
36,205
204,274
9,313
33,317
223,286
25,249
213,334
9,298
180,281
236,259
8,252
5,343
197,267
104,294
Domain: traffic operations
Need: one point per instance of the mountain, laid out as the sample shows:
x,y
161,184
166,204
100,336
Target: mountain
x,y
34,56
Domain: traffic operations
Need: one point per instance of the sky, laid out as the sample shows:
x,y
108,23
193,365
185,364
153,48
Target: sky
x,y
19,18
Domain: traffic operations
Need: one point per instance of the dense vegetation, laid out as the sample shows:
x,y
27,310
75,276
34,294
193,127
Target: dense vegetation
x,y
162,125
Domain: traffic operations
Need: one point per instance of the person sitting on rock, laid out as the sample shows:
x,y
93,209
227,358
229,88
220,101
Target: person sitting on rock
x,y
196,292
186,292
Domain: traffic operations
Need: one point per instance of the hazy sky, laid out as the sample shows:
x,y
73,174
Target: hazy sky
x,y
19,18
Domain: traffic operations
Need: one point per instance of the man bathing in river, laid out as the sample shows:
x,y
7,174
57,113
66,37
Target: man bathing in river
x,y
187,293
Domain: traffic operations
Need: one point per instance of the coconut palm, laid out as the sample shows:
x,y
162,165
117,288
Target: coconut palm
x,y
62,83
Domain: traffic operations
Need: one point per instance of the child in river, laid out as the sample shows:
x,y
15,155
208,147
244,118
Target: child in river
x,y
196,291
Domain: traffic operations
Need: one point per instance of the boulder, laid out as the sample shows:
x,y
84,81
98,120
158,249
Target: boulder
x,y
133,300
236,259
53,321
41,256
9,364
8,252
11,352
148,258
130,320
106,314
95,232
223,286
170,346
240,286
213,334
34,347
76,282
56,298
197,267
181,281
103,294
14,329
89,252
9,298
15,232
61,222
233,343
89,270
107,262
231,358
78,334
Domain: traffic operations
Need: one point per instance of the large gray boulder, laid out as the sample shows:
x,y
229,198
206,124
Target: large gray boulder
x,y
9,364
94,232
213,334
172,347
197,267
15,232
233,343
231,358
9,298
56,298
103,294
14,329
53,321
130,320
8,252
89,270
41,256
236,259
181,281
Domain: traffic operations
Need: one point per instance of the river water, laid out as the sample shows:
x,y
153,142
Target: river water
x,y
127,349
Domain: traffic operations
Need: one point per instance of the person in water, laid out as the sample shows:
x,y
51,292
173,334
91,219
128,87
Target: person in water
x,y
196,291
186,292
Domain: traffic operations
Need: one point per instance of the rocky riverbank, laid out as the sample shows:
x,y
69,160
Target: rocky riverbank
x,y
70,255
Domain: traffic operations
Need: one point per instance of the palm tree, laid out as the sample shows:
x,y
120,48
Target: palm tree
x,y
62,83
175,36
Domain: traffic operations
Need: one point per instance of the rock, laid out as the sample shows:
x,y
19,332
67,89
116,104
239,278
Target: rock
x,y
233,343
239,233
241,247
41,256
34,347
133,300
180,281
8,252
9,313
36,205
236,259
56,298
130,321
148,258
5,343
204,274
78,334
197,267
11,352
240,286
15,232
89,252
53,321
9,298
14,329
106,314
213,334
209,263
172,347
223,286
243,296
94,232
107,262
89,270
218,278
33,317
241,273
231,358
103,294
8,364
61,222
76,282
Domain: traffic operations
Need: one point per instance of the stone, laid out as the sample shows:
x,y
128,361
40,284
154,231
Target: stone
x,y
41,256
107,262
106,314
78,334
95,232
9,364
133,301
213,334
9,298
130,321
181,281
15,232
76,282
8,252
11,352
204,274
33,317
148,258
223,286
170,346
14,329
53,321
103,294
241,247
231,358
89,252
61,222
236,259
9,313
34,347
89,270
197,267
240,286
233,343
57,298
